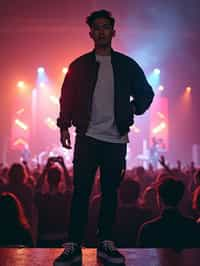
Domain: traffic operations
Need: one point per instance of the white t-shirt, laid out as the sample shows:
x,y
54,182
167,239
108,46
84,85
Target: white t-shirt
x,y
102,124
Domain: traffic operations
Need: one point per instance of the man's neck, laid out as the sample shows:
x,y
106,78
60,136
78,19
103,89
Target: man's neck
x,y
104,51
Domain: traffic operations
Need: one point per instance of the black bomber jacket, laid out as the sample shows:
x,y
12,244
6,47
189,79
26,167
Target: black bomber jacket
x,y
79,84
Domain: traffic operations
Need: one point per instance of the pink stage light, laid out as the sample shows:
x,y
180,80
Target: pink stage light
x,y
20,111
50,123
65,70
161,115
21,84
159,128
20,141
21,124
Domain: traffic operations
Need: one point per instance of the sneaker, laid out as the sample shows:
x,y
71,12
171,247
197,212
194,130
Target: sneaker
x,y
108,252
71,254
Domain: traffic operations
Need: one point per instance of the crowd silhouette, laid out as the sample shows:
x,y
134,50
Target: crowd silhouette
x,y
157,207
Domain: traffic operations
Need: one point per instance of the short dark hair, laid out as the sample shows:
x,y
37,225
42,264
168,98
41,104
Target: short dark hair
x,y
129,191
171,191
53,175
17,173
100,14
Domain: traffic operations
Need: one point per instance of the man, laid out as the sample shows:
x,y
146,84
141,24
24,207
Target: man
x,y
171,229
95,98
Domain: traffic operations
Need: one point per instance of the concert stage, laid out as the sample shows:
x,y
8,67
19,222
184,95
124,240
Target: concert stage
x,y
134,257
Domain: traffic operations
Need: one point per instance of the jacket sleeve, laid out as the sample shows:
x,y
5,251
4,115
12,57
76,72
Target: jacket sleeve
x,y
142,92
66,101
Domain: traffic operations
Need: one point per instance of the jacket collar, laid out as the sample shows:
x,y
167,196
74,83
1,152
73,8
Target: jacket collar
x,y
93,54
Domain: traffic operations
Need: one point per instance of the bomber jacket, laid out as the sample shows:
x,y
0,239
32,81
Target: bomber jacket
x,y
79,84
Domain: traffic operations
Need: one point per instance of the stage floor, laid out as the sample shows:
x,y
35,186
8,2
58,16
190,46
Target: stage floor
x,y
134,257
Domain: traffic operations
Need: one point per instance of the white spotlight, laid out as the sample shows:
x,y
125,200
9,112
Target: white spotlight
x,y
156,71
65,70
40,70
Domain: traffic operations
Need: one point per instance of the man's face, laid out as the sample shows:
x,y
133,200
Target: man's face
x,y
102,32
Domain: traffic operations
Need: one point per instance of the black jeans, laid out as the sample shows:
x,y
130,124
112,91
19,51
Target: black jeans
x,y
89,154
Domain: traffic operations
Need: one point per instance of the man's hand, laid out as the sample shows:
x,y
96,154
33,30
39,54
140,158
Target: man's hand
x,y
65,138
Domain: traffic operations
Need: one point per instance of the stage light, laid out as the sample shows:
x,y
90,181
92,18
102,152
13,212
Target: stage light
x,y
187,97
42,79
21,124
135,129
154,79
50,123
159,128
21,84
64,70
161,88
20,111
161,115
188,89
54,99
156,71
42,85
20,141
40,70
34,92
